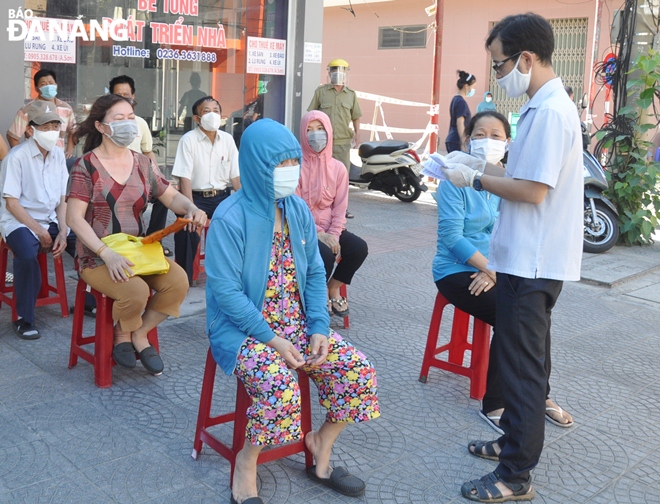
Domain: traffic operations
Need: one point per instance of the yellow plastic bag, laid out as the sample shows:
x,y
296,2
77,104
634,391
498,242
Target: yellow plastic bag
x,y
147,259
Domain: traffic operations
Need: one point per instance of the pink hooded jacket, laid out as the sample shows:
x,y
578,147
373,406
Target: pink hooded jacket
x,y
323,180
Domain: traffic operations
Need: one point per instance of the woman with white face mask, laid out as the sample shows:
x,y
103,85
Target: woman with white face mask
x,y
324,187
459,111
460,267
266,313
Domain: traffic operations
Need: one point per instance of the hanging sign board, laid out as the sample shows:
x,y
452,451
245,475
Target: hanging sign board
x,y
266,56
58,48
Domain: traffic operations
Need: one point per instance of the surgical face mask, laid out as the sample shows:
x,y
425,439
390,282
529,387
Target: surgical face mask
x,y
123,132
470,93
488,149
338,78
49,92
46,139
210,121
515,83
317,140
285,180
489,99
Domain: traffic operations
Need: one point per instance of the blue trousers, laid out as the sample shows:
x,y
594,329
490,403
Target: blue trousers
x,y
27,274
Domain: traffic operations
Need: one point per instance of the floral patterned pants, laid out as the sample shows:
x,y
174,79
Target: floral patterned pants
x,y
346,383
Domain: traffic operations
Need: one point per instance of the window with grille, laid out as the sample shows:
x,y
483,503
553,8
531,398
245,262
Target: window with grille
x,y
568,61
402,37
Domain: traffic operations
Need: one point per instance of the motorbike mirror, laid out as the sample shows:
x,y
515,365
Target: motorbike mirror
x,y
584,102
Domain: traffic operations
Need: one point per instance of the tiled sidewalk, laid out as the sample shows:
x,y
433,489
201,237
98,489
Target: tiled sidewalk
x,y
64,441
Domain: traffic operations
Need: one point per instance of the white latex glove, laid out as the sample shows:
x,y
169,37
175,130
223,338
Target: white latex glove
x,y
459,174
467,160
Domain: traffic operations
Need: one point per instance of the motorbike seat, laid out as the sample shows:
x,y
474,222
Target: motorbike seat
x,y
368,149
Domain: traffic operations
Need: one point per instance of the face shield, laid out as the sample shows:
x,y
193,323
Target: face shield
x,y
338,75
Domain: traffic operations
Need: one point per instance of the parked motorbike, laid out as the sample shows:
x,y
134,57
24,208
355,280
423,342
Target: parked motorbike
x,y
601,227
389,166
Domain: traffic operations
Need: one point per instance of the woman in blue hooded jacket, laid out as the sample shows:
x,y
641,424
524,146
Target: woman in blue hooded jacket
x,y
267,315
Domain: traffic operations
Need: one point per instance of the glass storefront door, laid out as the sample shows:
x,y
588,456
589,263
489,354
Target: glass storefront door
x,y
177,52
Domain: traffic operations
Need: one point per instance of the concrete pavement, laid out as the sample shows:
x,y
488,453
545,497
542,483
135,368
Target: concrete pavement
x,y
64,440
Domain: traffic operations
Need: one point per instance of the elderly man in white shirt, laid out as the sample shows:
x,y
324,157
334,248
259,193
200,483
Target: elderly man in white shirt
x,y
536,245
206,163
33,208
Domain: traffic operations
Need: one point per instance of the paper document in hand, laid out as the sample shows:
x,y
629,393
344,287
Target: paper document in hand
x,y
432,167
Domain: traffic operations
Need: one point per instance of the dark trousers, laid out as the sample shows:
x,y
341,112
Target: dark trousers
x,y
354,251
158,217
522,351
452,146
455,289
186,242
27,274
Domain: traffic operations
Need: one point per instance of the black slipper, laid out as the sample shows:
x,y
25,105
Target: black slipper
x,y
251,500
25,330
151,360
340,481
124,354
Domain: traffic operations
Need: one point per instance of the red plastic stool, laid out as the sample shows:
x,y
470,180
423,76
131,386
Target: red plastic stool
x,y
479,348
43,298
238,416
343,292
198,267
103,337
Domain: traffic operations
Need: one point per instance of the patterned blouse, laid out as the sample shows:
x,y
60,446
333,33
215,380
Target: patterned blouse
x,y
113,207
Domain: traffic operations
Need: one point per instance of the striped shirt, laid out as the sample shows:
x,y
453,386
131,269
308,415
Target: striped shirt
x,y
64,110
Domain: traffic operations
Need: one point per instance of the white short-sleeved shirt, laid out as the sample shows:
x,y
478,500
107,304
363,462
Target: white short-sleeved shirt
x,y
206,166
544,240
37,184
143,141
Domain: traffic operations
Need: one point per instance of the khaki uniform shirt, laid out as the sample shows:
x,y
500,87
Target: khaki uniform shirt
x,y
342,108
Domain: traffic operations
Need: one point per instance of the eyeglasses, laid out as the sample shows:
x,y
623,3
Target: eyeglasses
x,y
497,66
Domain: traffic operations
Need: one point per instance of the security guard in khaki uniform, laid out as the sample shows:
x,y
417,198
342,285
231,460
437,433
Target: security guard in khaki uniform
x,y
341,105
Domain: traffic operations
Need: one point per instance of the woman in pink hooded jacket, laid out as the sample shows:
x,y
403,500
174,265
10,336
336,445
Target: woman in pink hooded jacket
x,y
324,187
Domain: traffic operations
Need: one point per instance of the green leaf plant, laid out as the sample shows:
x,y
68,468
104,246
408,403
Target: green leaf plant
x,y
633,174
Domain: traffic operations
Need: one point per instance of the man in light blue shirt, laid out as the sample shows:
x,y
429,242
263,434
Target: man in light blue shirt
x,y
535,246
33,208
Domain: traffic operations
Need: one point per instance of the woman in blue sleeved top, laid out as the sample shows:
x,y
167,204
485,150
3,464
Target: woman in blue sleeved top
x,y
266,314
460,266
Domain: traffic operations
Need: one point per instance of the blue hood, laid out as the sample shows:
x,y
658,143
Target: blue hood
x,y
264,145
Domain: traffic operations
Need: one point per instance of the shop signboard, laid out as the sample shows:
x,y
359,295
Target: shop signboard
x,y
58,48
266,56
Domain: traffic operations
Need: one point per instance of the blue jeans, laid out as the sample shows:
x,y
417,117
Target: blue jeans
x,y
27,274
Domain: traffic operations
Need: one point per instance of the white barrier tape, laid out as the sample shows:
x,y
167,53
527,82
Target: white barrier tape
x,y
385,129
394,101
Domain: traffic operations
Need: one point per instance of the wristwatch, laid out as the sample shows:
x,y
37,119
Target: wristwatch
x,y
476,183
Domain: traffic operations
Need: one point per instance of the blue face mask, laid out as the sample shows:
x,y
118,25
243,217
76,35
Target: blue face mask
x,y
49,91
470,93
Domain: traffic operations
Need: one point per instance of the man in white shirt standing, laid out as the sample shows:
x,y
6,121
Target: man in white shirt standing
x,y
536,244
206,163
33,208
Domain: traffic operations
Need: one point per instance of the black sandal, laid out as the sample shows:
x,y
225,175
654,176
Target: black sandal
x,y
478,450
339,306
340,480
25,330
167,252
484,490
